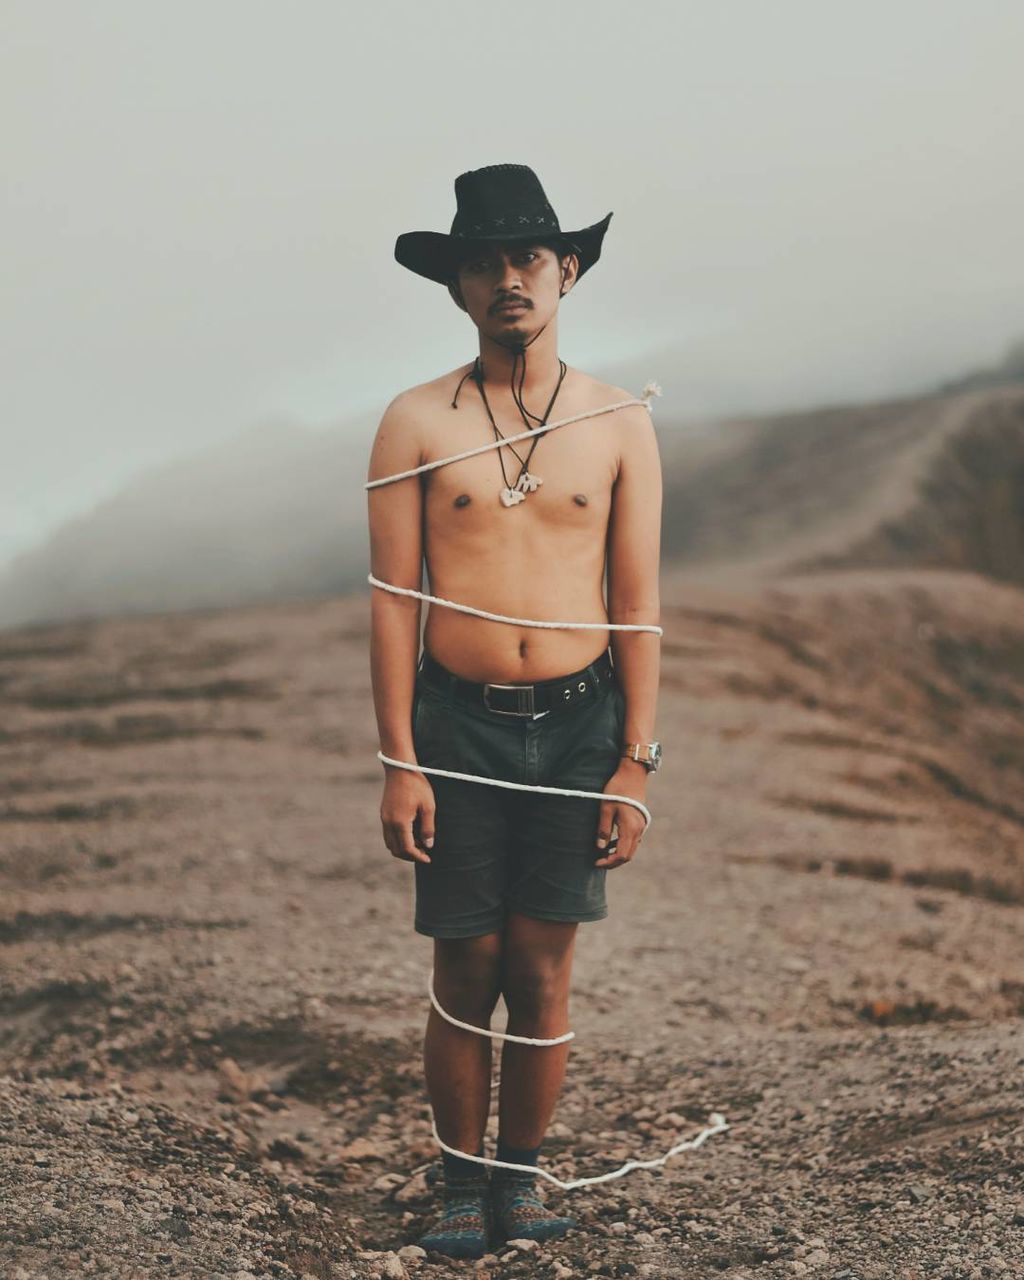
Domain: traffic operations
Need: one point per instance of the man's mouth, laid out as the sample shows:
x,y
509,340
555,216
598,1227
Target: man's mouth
x,y
511,306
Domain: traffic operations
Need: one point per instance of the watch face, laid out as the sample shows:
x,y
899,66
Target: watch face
x,y
655,750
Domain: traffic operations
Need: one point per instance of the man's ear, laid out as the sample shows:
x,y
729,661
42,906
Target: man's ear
x,y
570,270
456,295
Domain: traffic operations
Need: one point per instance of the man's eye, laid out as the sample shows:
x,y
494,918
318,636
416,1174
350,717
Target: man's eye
x,y
484,264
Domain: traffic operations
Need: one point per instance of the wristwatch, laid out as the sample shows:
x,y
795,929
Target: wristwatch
x,y
646,753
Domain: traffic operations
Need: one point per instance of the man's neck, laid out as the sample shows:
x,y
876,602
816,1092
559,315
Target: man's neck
x,y
541,359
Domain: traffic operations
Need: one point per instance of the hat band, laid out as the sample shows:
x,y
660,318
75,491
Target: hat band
x,y
512,223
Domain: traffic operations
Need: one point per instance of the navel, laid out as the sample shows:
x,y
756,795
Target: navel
x,y
463,500
580,499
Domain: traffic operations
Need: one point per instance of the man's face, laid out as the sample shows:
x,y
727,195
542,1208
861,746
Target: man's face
x,y
528,275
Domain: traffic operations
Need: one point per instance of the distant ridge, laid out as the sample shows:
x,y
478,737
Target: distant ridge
x,y
931,482
1008,372
967,511
277,513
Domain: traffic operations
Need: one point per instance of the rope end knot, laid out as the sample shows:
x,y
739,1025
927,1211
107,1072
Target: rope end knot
x,y
650,389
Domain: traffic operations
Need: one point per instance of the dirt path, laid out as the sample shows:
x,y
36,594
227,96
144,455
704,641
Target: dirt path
x,y
212,997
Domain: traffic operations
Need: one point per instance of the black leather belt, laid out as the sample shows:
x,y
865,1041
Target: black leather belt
x,y
522,699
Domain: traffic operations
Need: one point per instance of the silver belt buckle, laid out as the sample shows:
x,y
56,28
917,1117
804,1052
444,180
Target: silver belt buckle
x,y
525,696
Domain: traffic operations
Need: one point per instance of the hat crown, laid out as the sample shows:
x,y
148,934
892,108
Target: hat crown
x,y
502,200
497,203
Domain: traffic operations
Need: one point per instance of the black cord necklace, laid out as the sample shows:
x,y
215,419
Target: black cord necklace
x,y
526,482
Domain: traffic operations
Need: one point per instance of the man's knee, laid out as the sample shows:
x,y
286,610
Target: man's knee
x,y
535,985
467,975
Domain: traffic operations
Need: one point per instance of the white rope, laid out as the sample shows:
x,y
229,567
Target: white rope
x,y
519,622
651,389
518,786
486,1031
717,1122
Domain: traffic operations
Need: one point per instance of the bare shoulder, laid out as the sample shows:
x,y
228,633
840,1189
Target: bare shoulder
x,y
403,405
608,392
630,424
406,425
407,408
598,393
399,441
417,403
425,394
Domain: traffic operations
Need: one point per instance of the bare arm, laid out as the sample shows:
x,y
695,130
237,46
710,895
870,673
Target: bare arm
x,y
396,556
634,552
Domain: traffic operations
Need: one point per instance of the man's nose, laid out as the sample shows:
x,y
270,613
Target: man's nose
x,y
508,276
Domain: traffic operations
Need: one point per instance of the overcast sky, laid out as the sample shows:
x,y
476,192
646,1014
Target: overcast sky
x,y
200,201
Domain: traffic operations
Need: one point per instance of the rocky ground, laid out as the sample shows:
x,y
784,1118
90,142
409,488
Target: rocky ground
x,y
211,996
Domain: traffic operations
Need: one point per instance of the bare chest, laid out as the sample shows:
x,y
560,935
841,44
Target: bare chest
x,y
564,478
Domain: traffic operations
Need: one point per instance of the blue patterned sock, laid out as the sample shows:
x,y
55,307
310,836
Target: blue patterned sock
x,y
519,1211
462,1229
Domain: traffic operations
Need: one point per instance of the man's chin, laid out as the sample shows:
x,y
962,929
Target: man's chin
x,y
511,328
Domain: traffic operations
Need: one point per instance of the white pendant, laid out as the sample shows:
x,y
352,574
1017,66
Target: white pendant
x,y
510,497
527,482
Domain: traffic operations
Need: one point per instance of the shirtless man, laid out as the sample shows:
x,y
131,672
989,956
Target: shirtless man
x,y
503,877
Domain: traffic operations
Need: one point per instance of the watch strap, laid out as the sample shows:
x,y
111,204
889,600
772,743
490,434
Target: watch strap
x,y
638,751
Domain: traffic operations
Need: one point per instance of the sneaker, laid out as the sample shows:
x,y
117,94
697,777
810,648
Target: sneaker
x,y
463,1227
520,1214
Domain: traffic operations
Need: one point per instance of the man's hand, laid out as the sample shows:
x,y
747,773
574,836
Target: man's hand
x,y
408,796
630,779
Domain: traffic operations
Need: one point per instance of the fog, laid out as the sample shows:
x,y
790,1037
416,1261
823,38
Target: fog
x,y
201,201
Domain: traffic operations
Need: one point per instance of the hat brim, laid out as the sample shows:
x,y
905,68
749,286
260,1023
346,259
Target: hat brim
x,y
433,254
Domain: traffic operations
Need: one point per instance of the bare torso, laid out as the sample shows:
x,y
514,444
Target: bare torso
x,y
543,558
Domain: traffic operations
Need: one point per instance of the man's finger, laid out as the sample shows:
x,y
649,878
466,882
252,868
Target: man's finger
x,y
610,851
629,841
624,848
388,842
409,845
605,822
426,823
402,844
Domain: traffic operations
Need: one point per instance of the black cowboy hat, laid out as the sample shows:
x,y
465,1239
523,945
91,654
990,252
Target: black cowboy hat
x,y
499,203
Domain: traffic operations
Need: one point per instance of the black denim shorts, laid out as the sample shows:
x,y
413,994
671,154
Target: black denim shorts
x,y
497,849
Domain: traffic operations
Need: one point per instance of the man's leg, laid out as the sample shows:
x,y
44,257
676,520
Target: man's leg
x,y
535,979
536,968
457,1063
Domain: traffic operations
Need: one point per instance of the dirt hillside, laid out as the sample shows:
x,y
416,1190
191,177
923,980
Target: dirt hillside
x,y
936,482
212,998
